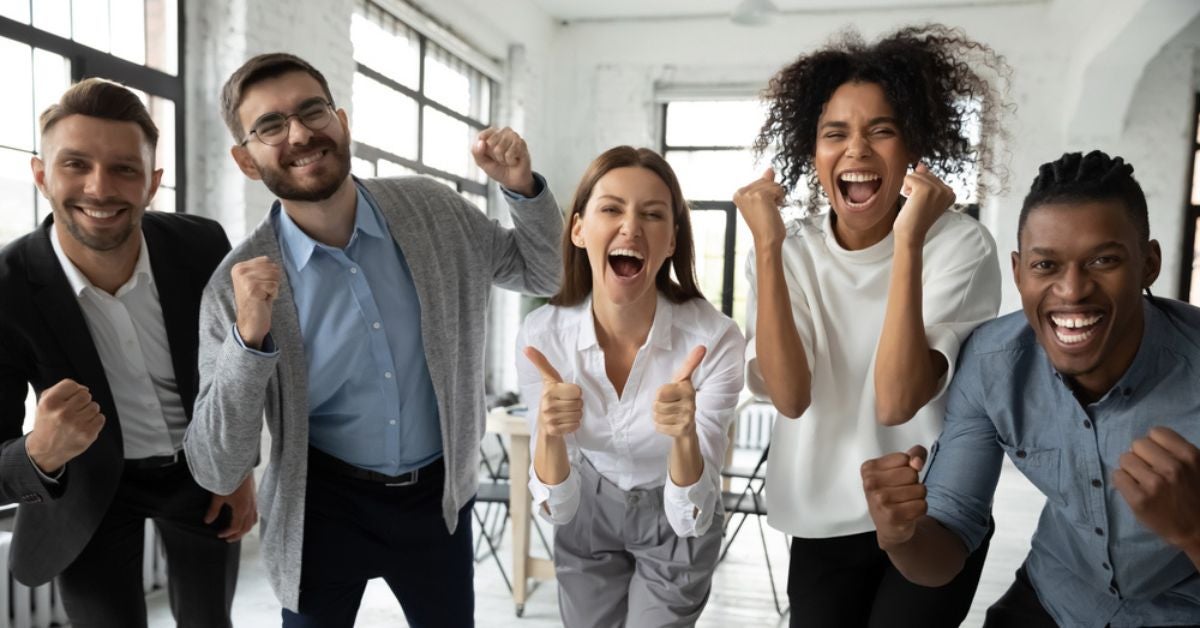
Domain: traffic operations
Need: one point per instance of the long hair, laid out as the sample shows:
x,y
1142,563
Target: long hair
x,y
577,270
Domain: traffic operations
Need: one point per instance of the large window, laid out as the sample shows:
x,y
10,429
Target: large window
x,y
45,45
417,106
1189,280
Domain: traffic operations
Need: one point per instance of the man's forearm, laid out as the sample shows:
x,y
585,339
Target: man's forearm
x,y
932,557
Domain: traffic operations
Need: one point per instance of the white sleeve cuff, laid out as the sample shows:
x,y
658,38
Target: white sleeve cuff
x,y
690,509
556,503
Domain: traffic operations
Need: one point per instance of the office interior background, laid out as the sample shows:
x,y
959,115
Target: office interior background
x,y
420,78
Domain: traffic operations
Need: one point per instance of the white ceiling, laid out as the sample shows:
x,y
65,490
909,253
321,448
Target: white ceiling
x,y
614,10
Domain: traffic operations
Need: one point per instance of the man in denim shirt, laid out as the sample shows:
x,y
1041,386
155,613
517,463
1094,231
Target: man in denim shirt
x,y
1093,395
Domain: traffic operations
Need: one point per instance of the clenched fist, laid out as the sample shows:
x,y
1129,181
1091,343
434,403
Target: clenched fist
x,y
561,410
895,495
66,424
1159,478
928,198
759,204
675,405
503,155
255,287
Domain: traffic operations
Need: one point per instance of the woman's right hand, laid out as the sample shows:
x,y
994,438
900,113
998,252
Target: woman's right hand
x,y
759,204
561,410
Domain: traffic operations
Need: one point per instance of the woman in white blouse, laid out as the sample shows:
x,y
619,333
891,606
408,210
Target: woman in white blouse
x,y
632,379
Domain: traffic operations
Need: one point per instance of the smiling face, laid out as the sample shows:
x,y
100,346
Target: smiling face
x,y
308,165
1081,271
98,176
861,161
628,230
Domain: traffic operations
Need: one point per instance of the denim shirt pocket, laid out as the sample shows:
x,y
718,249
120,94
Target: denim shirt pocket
x,y
1042,466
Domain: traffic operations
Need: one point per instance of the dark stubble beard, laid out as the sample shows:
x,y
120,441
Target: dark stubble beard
x,y
90,240
281,184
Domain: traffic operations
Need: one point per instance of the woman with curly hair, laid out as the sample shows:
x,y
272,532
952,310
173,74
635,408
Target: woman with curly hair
x,y
856,314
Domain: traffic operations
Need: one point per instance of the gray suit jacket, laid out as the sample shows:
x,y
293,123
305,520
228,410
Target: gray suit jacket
x,y
455,254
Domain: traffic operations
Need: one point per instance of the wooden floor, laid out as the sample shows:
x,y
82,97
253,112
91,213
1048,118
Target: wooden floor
x,y
741,596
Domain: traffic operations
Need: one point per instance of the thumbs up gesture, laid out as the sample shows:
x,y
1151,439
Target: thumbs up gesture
x,y
561,411
675,405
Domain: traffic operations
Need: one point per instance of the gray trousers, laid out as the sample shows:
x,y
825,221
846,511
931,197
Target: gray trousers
x,y
619,563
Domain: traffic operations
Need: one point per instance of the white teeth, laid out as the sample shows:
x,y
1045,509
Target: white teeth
x,y
1076,322
627,253
98,214
1072,338
304,161
858,177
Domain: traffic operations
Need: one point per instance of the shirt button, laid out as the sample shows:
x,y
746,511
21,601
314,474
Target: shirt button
x,y
1021,453
392,422
1097,483
353,270
1105,566
388,375
376,325
1087,424
1099,532
1112,590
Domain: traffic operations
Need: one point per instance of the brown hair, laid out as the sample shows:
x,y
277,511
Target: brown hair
x,y
258,69
577,271
98,98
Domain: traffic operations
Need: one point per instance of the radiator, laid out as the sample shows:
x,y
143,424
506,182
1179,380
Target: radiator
x,y
41,607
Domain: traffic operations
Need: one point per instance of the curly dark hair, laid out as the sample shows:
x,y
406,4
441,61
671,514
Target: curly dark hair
x,y
931,75
1079,178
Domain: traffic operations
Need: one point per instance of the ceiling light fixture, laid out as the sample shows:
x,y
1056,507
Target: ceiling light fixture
x,y
753,12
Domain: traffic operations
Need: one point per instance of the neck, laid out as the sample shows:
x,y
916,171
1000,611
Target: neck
x,y
858,240
107,270
330,221
623,325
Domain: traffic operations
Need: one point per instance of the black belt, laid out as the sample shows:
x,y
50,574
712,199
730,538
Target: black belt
x,y
333,464
154,462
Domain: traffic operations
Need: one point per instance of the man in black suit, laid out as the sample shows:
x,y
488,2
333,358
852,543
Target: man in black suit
x,y
100,315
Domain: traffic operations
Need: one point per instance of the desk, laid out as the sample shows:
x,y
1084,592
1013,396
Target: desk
x,y
499,421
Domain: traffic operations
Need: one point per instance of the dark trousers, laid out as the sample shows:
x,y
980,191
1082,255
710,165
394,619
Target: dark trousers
x,y
848,581
356,530
103,588
1019,607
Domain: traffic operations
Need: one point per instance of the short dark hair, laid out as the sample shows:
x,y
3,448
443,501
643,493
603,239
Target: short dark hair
x,y
931,75
577,270
258,69
99,98
1079,178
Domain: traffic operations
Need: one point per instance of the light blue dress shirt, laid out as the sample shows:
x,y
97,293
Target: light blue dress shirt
x,y
1092,562
370,397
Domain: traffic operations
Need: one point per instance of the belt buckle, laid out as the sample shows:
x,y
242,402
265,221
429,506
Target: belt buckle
x,y
413,476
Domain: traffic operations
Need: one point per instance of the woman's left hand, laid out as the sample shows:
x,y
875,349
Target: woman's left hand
x,y
928,198
675,406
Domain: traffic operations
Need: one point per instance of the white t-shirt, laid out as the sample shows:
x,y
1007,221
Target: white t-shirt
x,y
617,434
838,297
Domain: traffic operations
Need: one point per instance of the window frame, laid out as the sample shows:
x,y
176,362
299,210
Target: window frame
x,y
1191,213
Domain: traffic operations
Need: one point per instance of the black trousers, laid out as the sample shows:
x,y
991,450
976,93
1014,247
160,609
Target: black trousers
x,y
102,588
356,530
848,581
1019,607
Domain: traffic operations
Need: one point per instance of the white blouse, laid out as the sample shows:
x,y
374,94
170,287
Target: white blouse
x,y
617,434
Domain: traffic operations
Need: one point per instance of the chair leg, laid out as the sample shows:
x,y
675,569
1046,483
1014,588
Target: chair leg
x,y
782,610
494,552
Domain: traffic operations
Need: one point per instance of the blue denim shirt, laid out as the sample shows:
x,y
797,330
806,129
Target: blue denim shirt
x,y
1091,562
370,396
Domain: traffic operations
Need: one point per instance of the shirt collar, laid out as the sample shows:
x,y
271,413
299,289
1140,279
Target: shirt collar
x,y
299,247
79,282
1144,361
660,329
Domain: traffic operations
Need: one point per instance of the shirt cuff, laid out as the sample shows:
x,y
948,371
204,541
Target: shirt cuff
x,y
561,499
49,480
689,509
268,345
539,188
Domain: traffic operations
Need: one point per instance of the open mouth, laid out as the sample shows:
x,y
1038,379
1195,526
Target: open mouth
x,y
1075,329
98,214
858,187
308,159
626,263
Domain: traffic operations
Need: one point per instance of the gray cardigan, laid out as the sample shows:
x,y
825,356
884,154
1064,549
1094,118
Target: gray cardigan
x,y
455,254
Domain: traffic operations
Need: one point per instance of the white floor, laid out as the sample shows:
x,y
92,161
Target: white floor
x,y
741,595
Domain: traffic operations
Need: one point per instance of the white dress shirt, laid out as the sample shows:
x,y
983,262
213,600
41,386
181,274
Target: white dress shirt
x,y
131,339
617,434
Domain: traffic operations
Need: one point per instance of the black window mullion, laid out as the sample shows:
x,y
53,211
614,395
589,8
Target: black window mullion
x,y
420,103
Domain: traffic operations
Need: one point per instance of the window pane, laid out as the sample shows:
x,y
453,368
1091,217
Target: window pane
x,y
162,35
163,113
476,200
708,232
714,123
1194,293
43,206
362,168
53,16
15,10
392,169
384,44
1196,178
90,24
16,108
164,200
385,118
713,175
741,286
448,144
128,28
449,80
16,195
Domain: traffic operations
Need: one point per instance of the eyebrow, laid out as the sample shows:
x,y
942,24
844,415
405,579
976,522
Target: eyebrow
x,y
302,106
1049,252
838,124
624,202
70,153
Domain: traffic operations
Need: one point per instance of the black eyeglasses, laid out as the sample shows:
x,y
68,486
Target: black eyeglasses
x,y
272,128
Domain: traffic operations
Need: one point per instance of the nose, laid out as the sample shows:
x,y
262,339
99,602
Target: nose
x,y
858,146
1074,285
99,183
631,224
298,134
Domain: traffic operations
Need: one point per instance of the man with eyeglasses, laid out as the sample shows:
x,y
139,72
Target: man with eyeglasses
x,y
354,316
100,309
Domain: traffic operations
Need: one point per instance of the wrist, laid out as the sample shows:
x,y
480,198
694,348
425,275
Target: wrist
x,y
527,188
250,337
46,462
